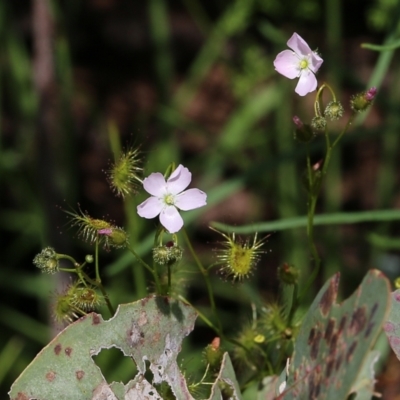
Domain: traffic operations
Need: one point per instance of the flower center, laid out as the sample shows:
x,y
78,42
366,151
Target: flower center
x,y
169,199
303,64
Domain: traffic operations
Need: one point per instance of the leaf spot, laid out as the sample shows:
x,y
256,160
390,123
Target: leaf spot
x,y
95,319
79,375
50,376
328,297
358,321
329,367
57,349
68,351
369,329
333,344
350,352
315,344
142,319
339,361
342,323
373,311
388,327
329,329
22,396
134,335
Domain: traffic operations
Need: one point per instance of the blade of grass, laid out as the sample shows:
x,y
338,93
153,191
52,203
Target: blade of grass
x,y
26,326
322,219
160,33
9,355
233,21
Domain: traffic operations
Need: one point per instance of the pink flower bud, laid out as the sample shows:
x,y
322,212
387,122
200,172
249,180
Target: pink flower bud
x,y
297,121
370,94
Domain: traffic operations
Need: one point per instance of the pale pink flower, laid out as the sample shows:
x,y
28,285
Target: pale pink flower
x,y
169,196
301,63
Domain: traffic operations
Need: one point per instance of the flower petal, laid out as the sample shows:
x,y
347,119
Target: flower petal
x,y
307,83
150,208
315,62
170,219
191,199
155,184
287,64
299,45
179,180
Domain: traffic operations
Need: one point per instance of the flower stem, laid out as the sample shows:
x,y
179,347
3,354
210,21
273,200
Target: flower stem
x,y
206,277
217,330
96,259
147,266
313,197
169,278
84,277
98,284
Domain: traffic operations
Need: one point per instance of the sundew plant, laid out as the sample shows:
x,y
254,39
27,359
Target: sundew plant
x,y
324,351
173,329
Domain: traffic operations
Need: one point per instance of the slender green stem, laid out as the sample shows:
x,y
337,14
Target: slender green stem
x,y
201,315
169,278
86,278
206,277
314,190
150,269
294,306
96,259
78,267
217,330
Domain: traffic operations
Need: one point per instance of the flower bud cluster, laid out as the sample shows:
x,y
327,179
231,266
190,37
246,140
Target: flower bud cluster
x,y
76,300
47,261
167,254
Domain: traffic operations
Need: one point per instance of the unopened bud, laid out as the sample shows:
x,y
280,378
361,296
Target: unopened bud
x,y
47,261
84,298
303,132
361,101
334,110
318,124
213,354
115,237
312,179
370,94
288,274
89,258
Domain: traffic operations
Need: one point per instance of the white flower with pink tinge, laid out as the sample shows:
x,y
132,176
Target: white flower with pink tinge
x,y
167,197
301,63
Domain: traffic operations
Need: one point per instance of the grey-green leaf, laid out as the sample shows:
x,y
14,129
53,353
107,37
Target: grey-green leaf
x,y
334,342
151,329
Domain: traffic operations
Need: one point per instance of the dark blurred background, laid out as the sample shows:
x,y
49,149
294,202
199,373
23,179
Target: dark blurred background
x,y
189,81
